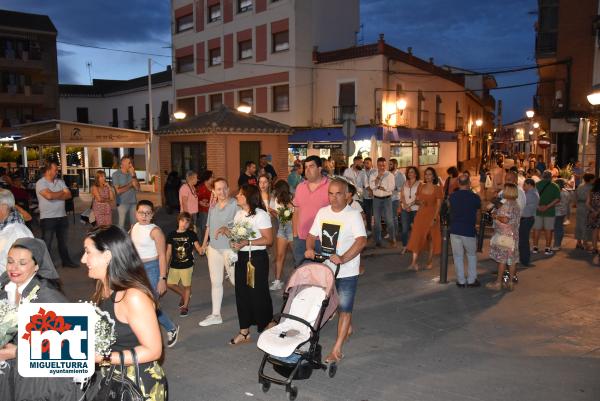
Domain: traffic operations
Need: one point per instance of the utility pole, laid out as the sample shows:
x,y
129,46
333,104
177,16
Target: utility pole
x,y
150,125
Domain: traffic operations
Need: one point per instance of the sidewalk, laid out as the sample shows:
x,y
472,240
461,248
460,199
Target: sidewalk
x,y
414,339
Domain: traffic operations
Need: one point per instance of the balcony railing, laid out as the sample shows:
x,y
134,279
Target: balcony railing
x,y
340,111
129,124
440,121
459,124
424,119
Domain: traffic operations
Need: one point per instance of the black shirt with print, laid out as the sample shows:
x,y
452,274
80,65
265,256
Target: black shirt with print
x,y
182,253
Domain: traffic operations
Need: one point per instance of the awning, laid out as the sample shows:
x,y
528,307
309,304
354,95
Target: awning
x,y
333,134
412,134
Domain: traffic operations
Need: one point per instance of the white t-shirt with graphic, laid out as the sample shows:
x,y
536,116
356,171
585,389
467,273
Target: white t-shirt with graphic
x,y
337,232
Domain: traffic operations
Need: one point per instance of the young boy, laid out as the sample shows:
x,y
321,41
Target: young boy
x,y
180,254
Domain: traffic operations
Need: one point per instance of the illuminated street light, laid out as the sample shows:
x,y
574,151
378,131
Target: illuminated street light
x,y
244,108
594,98
479,122
179,115
530,113
536,125
401,104
530,132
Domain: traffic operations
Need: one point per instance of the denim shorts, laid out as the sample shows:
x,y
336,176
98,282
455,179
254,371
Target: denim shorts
x,y
346,289
285,231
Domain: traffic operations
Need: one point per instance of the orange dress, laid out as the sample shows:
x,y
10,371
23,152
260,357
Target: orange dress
x,y
422,228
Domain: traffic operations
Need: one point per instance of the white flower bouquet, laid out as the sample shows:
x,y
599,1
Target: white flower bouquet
x,y
105,332
9,320
241,231
285,215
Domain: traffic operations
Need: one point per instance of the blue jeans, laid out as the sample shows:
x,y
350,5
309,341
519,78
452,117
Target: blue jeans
x,y
299,247
382,208
408,217
346,289
460,244
559,230
525,226
153,273
126,211
395,204
201,220
368,209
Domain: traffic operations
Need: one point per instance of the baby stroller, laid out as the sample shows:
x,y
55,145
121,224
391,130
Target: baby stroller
x,y
292,346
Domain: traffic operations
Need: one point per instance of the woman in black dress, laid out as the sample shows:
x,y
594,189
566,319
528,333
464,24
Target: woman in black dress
x,y
123,290
254,305
30,276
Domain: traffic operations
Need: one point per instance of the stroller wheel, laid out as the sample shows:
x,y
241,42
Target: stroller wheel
x,y
266,386
332,370
293,393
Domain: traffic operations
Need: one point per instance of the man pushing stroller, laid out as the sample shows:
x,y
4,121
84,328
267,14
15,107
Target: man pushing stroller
x,y
341,231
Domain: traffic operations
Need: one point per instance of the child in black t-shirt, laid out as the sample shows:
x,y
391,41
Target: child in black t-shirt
x,y
180,254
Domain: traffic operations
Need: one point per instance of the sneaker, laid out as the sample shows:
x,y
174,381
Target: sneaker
x,y
172,337
548,252
210,320
276,285
183,312
555,248
535,250
460,285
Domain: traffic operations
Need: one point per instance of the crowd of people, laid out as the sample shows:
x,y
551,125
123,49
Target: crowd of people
x,y
309,212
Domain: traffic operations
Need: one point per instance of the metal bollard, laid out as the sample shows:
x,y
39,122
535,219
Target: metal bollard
x,y
444,255
481,233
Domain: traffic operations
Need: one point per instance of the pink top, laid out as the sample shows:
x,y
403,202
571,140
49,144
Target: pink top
x,y
192,199
309,204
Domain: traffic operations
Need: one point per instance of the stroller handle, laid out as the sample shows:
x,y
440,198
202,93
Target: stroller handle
x,y
321,259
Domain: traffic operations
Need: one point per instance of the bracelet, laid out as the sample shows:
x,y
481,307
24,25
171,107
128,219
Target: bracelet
x,y
163,278
105,362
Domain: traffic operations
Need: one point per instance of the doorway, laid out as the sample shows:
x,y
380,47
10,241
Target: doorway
x,y
249,151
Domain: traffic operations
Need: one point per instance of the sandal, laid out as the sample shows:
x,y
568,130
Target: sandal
x,y
413,268
494,285
333,359
244,340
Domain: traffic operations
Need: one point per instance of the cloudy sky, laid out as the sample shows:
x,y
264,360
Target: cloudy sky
x,y
479,35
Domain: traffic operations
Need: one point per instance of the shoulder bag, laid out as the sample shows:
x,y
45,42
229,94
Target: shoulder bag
x,y
116,386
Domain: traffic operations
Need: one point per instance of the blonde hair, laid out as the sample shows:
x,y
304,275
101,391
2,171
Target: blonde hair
x,y
510,192
98,173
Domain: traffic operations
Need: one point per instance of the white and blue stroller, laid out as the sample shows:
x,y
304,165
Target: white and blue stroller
x,y
292,346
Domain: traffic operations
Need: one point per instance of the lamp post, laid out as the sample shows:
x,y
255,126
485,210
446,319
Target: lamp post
x,y
179,115
594,99
479,124
244,108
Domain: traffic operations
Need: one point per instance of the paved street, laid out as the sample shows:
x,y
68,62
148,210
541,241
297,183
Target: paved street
x,y
414,339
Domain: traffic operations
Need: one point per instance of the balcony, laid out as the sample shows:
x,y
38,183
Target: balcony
x,y
546,44
424,119
130,124
440,121
460,124
21,61
144,122
340,111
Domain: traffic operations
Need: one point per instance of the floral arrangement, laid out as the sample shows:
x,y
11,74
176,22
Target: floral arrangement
x,y
9,320
241,231
105,332
566,172
284,214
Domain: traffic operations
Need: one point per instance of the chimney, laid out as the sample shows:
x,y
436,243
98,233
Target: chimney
x,y
410,51
381,44
431,60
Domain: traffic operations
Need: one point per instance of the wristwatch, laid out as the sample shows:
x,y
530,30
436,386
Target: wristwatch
x,y
163,278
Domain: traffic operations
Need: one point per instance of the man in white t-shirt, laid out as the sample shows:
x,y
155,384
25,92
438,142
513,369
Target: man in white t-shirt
x,y
12,226
342,234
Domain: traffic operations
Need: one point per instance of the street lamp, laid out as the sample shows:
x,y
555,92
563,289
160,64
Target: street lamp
x,y
401,105
594,99
179,115
244,108
530,113
536,125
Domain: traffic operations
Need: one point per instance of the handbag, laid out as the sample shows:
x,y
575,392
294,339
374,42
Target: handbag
x,y
250,270
488,181
116,386
88,216
503,241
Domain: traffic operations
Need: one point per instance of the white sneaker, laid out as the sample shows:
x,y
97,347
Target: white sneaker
x,y
276,285
210,320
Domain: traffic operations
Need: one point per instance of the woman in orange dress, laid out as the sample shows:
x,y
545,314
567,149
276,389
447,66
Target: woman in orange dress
x,y
426,227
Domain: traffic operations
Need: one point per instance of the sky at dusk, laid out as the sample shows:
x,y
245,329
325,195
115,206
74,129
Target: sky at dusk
x,y
473,34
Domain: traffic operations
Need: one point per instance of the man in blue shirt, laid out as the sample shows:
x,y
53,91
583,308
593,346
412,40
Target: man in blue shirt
x,y
464,205
532,200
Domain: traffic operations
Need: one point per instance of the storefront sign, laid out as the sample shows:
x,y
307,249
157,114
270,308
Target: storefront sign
x,y
327,145
544,143
402,144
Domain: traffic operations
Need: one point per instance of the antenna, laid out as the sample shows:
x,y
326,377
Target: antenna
x,y
88,65
361,39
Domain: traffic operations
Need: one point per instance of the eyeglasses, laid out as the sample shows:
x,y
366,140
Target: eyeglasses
x,y
145,213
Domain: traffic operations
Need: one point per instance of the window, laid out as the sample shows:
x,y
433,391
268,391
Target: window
x,y
115,118
281,41
188,156
216,101
244,5
429,153
281,98
82,115
245,50
402,152
214,56
246,96
187,105
185,23
214,13
185,64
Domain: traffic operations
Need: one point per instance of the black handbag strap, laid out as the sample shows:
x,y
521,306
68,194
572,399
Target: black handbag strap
x,y
137,367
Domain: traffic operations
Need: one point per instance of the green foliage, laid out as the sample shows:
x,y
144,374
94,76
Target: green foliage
x,y
566,172
7,154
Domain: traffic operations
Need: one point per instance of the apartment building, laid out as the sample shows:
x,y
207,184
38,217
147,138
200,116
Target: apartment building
x,y
119,103
566,41
28,69
256,52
